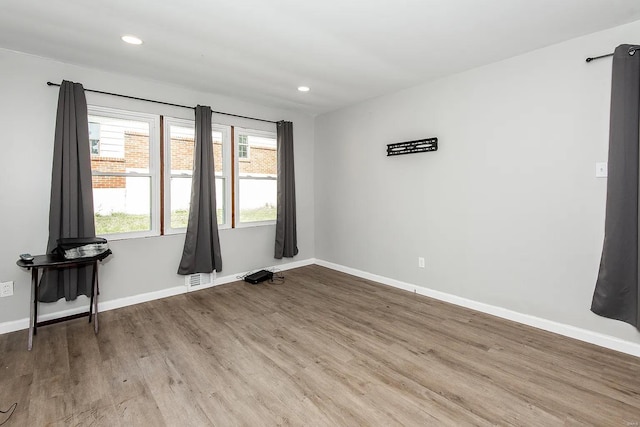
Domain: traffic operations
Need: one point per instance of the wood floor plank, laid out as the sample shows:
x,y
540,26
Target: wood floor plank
x,y
16,389
323,348
171,391
53,359
88,385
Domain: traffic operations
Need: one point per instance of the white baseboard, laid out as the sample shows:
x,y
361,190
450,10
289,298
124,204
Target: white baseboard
x,y
596,338
292,265
16,325
235,277
140,298
537,322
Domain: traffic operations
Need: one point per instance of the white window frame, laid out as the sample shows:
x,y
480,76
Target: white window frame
x,y
236,136
226,171
154,166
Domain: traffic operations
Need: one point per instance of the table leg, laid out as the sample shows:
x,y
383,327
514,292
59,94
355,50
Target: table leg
x,y
33,316
93,289
96,292
35,305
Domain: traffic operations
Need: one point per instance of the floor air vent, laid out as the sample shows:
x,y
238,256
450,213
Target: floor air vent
x,y
195,281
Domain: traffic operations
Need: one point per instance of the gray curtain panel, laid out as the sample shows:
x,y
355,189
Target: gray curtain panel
x,y
286,234
617,286
201,253
71,207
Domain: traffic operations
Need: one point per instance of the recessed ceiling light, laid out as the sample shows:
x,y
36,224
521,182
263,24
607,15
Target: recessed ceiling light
x,y
131,39
303,88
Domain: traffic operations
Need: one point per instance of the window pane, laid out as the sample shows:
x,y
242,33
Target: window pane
x,y
94,130
123,145
258,199
121,204
180,201
257,178
94,138
263,157
243,147
220,200
182,143
95,146
182,146
217,152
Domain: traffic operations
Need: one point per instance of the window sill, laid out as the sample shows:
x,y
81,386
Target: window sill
x,y
127,236
254,224
179,231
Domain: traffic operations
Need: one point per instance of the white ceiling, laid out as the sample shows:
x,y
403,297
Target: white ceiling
x,y
262,50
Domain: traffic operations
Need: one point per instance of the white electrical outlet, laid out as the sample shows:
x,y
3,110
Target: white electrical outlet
x,y
420,262
6,289
601,170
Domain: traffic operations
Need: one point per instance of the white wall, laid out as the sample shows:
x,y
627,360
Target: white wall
x,y
27,120
508,211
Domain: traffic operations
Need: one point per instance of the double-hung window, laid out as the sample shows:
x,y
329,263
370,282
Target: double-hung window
x,y
125,166
138,192
256,177
179,142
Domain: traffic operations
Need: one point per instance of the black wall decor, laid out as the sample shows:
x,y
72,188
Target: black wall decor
x,y
410,147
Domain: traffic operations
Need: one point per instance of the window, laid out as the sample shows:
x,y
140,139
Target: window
x,y
125,168
256,180
131,195
94,138
243,147
179,141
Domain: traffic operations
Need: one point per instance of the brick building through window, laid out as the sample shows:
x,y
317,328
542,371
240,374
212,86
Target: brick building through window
x,y
124,175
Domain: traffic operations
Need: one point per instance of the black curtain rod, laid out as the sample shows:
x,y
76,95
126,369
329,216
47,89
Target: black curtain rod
x,y
632,51
598,57
166,103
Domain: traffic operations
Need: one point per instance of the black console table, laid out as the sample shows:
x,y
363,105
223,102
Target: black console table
x,y
56,262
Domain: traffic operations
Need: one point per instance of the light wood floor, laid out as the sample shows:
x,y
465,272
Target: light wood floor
x,y
322,349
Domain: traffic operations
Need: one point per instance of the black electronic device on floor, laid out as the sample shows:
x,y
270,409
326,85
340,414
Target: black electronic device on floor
x,y
258,276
